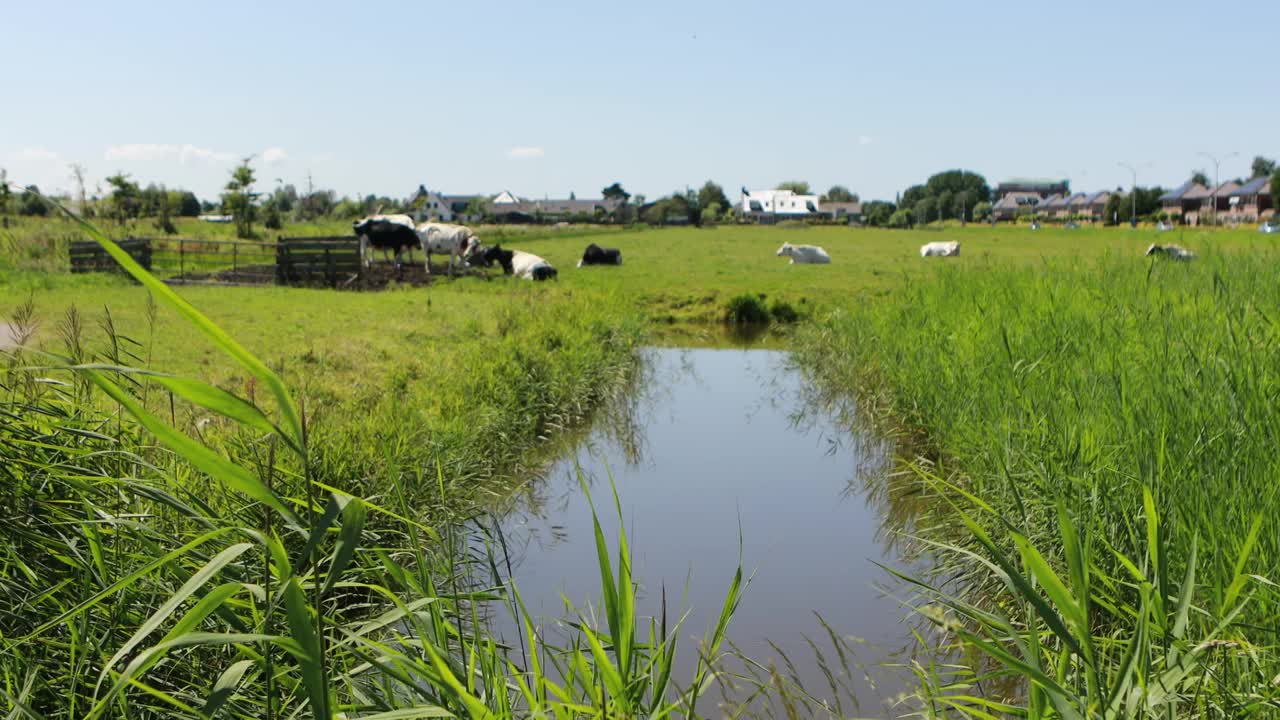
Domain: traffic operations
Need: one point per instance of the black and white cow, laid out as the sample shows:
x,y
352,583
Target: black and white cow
x,y
1173,252
596,255
519,263
385,233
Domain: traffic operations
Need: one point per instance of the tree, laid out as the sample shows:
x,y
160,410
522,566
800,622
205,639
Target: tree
x,y
187,204
710,213
5,192
839,193
30,203
982,211
798,187
1199,177
925,210
901,218
125,199
238,199
945,204
164,214
1275,188
712,194
572,196
913,195
615,192
478,207
971,183
1263,167
877,213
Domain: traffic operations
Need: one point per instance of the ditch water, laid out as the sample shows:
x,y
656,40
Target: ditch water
x,y
720,456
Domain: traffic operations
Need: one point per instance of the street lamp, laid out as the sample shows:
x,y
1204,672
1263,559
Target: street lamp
x,y
1214,195
1133,192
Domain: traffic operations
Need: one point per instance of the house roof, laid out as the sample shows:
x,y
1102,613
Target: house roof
x,y
530,207
1257,186
1100,196
1181,191
1225,188
1078,199
1033,181
1197,192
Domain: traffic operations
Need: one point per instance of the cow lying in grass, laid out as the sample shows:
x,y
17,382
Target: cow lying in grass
x,y
518,263
1173,252
940,249
385,233
804,254
596,255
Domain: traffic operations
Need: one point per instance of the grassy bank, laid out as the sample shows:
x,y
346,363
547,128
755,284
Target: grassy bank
x,y
157,570
1114,423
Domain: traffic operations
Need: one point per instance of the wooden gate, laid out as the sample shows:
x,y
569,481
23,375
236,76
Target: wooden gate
x,y
331,261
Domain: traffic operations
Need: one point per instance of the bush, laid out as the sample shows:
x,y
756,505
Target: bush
x,y
782,311
746,308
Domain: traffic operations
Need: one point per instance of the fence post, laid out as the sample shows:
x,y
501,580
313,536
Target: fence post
x,y
235,254
182,264
328,267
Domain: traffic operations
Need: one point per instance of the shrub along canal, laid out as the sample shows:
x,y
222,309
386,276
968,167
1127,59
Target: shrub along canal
x,y
723,454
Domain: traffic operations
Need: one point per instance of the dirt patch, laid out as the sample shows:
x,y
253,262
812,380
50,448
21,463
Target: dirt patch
x,y
376,277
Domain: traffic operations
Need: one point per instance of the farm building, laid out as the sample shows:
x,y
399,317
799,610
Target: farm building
x,y
768,205
520,210
849,211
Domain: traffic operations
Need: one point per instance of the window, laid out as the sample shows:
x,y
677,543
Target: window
x,y
755,206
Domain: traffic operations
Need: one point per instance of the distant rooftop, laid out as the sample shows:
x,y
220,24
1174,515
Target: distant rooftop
x,y
1034,181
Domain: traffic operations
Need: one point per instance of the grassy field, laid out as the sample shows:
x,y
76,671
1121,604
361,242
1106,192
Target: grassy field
x,y
1111,418
1111,425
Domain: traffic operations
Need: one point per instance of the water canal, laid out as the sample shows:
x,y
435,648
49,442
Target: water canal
x,y
723,456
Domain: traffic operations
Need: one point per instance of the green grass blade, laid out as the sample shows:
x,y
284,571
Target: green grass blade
x,y
225,688
212,464
353,517
302,629
219,337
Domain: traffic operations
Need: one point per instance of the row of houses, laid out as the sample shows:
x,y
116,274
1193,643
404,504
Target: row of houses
x,y
1190,203
1087,206
762,206
1230,202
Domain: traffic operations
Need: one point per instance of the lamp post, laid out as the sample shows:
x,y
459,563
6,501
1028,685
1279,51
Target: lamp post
x,y
1133,192
1213,197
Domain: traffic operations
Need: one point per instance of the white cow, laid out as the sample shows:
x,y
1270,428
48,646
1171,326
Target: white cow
x,y
458,241
940,249
804,254
530,267
1173,252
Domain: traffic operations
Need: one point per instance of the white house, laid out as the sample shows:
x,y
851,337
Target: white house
x,y
762,204
431,204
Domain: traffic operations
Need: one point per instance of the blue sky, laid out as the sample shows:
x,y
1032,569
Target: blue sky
x,y
548,98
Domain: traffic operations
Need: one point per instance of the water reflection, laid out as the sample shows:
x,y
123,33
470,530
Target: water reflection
x,y
721,456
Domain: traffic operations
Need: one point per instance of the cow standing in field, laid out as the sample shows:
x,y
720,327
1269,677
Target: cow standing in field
x,y
520,264
940,249
596,255
1173,252
804,254
385,233
457,241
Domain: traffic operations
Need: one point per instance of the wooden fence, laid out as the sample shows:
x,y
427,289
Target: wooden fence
x,y
190,260
88,256
331,261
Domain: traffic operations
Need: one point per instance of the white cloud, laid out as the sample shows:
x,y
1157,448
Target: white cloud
x,y
36,166
525,153
38,155
864,140
186,154
273,155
